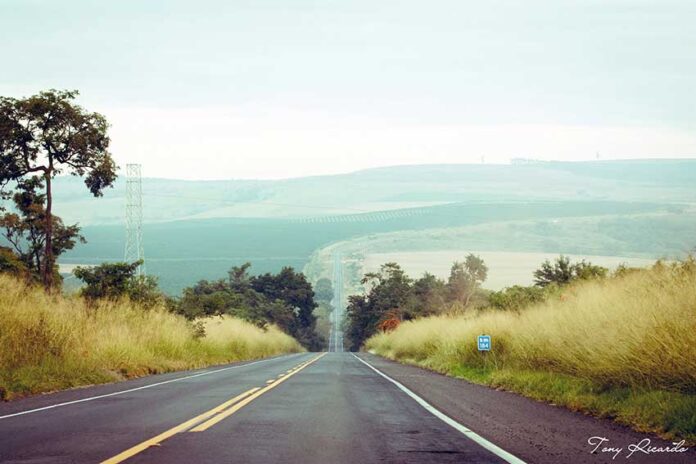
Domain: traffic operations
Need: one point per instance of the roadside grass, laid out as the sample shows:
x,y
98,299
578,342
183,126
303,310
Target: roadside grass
x,y
622,348
53,342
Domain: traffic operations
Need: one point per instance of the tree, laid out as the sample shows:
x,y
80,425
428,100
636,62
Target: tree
x,y
323,290
562,272
585,270
239,277
45,135
292,288
429,296
388,293
117,280
25,231
466,278
517,297
285,299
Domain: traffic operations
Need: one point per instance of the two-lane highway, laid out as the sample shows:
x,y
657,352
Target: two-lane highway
x,y
338,306
323,408
302,408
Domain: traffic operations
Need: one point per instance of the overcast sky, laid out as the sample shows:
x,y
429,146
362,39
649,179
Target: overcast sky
x,y
283,88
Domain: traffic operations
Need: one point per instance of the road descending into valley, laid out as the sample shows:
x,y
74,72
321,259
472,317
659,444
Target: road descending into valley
x,y
322,408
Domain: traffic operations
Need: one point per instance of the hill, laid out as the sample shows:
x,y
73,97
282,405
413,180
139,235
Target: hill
x,y
398,187
199,229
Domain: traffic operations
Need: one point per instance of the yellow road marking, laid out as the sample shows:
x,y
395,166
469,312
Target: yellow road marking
x,y
173,431
227,413
220,410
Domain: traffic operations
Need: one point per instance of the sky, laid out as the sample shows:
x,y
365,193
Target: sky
x,y
285,88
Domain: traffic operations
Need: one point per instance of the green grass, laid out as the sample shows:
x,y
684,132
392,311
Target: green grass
x,y
672,414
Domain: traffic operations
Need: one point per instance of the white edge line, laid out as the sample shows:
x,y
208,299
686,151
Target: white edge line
x,y
91,398
501,453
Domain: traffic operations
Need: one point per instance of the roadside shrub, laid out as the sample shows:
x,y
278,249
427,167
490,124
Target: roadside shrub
x,y
517,297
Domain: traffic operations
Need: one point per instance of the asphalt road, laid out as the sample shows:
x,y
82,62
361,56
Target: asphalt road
x,y
338,305
305,408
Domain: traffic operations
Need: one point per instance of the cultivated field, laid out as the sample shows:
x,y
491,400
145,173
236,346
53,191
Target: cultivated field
x,y
504,268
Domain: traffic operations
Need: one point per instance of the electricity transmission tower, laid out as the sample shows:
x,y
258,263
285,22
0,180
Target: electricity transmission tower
x,y
134,217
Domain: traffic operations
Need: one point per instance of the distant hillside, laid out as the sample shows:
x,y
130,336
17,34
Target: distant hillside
x,y
199,229
182,252
664,181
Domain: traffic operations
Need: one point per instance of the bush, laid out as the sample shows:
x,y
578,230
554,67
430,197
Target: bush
x,y
562,272
517,297
11,264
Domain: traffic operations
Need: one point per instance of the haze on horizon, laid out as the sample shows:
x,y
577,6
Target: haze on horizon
x,y
277,89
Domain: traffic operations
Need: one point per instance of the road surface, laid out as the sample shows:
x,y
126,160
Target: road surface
x,y
303,408
338,306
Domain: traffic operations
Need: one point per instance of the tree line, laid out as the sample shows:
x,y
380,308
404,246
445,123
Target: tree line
x,y
391,296
285,299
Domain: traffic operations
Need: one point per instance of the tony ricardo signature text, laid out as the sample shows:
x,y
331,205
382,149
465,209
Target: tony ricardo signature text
x,y
601,445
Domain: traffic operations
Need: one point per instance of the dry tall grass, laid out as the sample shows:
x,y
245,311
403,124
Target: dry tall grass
x,y
636,333
54,342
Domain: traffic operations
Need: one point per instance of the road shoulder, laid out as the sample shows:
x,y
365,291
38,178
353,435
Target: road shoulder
x,y
534,431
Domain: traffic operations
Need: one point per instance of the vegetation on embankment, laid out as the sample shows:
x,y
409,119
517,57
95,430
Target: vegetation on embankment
x,y
622,347
52,342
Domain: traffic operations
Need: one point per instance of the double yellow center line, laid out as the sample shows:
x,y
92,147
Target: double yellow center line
x,y
204,421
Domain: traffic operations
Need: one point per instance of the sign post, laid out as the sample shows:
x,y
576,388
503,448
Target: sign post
x,y
484,343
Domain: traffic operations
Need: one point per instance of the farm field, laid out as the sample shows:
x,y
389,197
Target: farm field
x,y
180,253
505,268
648,236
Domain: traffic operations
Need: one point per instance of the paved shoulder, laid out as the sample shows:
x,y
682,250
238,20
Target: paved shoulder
x,y
534,431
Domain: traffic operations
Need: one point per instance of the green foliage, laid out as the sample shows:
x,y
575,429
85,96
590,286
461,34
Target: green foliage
x,y
466,278
392,294
118,280
10,263
45,135
585,271
428,295
144,290
293,289
517,297
562,272
285,299
25,230
323,290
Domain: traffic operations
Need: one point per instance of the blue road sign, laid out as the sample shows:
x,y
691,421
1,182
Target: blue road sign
x,y
484,343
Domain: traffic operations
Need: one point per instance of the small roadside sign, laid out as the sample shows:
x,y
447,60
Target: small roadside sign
x,y
484,343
